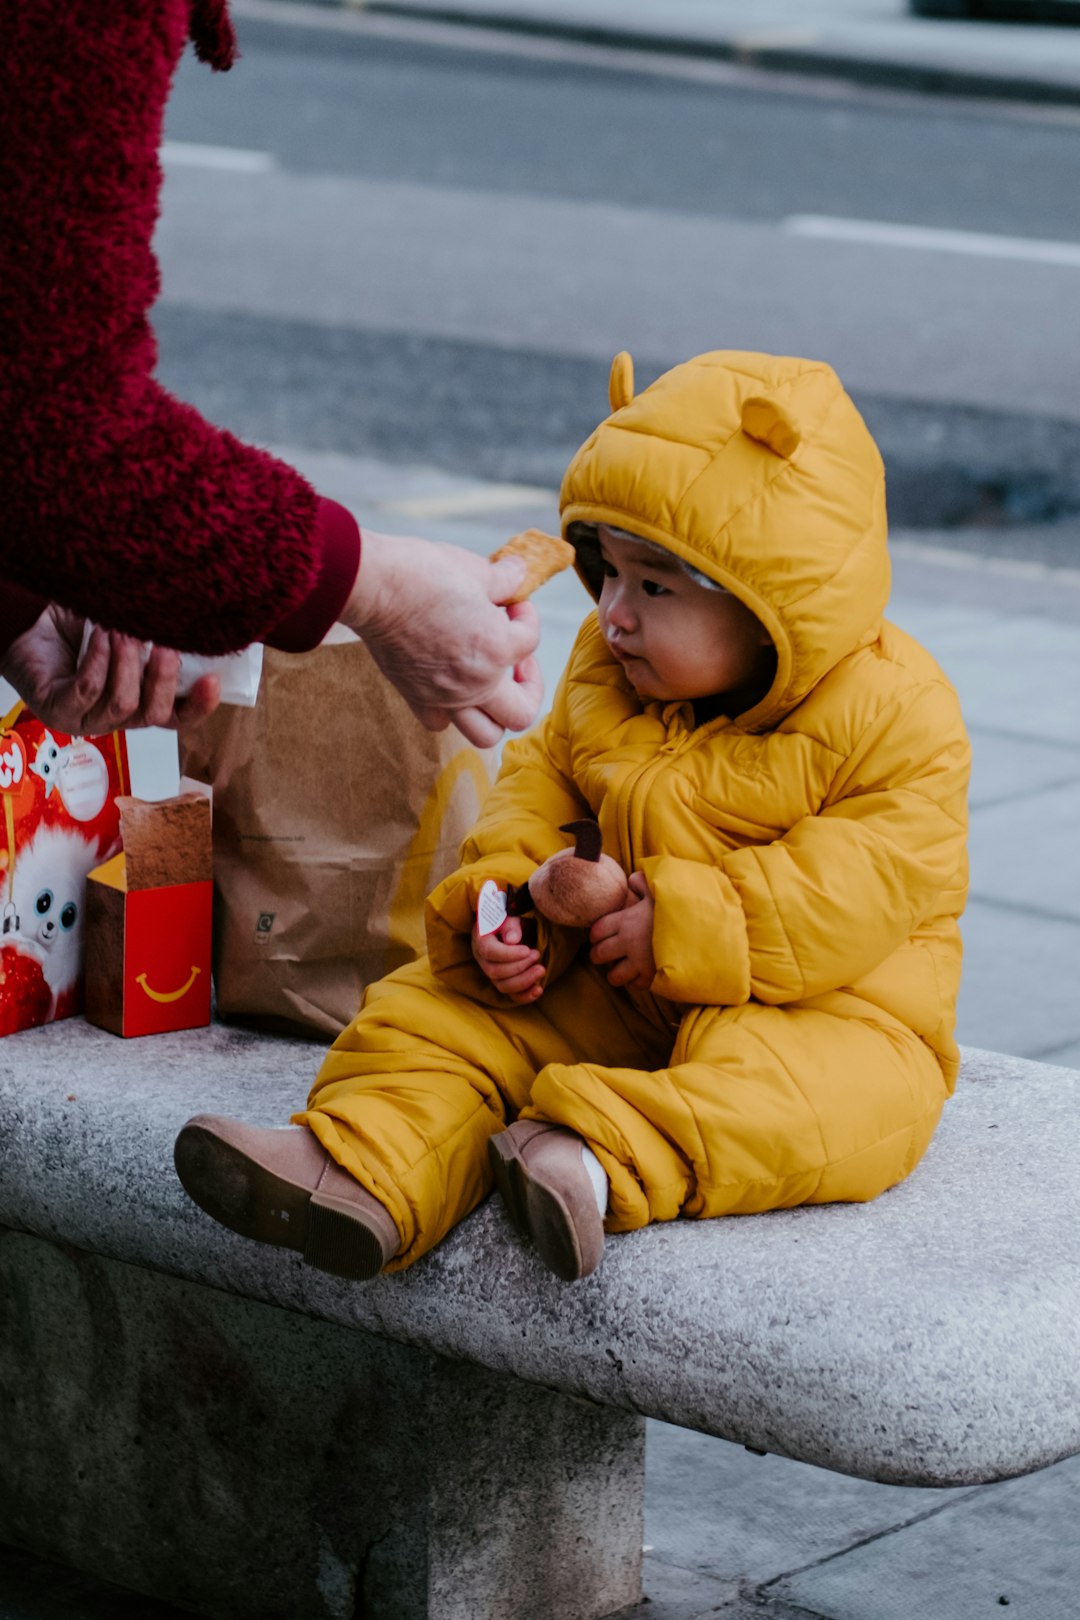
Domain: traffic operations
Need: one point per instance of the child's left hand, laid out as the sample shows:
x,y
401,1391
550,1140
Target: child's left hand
x,y
624,939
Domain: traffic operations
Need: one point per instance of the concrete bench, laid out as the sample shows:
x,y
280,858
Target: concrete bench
x,y
212,1422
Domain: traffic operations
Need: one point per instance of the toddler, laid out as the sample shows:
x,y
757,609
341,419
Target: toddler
x,y
781,772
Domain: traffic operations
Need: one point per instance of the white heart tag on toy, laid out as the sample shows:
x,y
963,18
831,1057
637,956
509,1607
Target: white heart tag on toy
x,y
491,910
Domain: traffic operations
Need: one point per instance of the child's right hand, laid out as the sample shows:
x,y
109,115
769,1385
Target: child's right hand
x,y
513,967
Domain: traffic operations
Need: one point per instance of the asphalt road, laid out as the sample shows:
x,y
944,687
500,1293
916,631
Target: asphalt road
x,y
380,240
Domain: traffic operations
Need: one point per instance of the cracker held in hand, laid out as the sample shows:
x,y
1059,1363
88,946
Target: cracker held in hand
x,y
544,555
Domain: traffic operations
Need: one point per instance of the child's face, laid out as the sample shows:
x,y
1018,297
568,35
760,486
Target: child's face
x,y
676,639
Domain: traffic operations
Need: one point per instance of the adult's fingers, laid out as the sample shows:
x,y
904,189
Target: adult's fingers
x,y
505,578
524,631
430,717
202,700
158,695
93,672
529,681
123,690
120,699
477,727
515,702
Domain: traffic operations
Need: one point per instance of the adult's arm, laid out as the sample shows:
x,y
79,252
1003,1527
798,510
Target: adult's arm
x,y
120,502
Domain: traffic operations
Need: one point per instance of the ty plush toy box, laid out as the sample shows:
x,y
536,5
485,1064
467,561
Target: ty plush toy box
x,y
58,818
148,921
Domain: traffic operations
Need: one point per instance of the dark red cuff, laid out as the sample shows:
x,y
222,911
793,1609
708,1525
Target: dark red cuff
x,y
338,536
19,609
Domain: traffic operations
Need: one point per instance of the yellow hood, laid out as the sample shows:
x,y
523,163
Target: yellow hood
x,y
759,471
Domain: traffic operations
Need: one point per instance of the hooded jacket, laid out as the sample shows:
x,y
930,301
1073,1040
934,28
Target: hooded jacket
x,y
811,850
119,501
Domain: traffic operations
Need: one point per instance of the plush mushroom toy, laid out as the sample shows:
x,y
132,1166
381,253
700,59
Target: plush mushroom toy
x,y
574,886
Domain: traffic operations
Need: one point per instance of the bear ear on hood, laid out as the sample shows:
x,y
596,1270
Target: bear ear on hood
x,y
212,34
621,381
772,425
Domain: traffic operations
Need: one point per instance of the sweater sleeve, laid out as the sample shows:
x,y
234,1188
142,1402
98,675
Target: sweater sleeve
x,y
338,543
338,549
19,609
173,531
122,502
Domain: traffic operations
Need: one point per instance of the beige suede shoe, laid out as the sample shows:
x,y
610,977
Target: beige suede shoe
x,y
548,1195
282,1187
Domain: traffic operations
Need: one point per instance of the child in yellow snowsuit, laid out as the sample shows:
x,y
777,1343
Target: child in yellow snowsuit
x,y
781,772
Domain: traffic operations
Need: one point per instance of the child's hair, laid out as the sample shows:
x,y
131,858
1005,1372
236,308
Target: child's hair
x,y
585,538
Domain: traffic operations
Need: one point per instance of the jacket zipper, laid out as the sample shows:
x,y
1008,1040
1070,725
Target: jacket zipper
x,y
649,768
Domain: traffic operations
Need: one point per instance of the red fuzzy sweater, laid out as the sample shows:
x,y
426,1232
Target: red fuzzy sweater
x,y
116,499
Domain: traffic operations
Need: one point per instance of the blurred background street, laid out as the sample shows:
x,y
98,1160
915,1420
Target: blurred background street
x,y
403,252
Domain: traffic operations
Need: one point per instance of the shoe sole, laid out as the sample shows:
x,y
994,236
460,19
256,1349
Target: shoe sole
x,y
536,1212
238,1192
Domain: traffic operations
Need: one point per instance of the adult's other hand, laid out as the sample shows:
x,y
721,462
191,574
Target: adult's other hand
x,y
436,621
109,686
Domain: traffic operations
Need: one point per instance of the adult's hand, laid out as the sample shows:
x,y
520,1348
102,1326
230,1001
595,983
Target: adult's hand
x,y
435,620
105,688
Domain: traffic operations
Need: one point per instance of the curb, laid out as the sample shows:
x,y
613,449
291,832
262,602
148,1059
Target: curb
x,y
923,78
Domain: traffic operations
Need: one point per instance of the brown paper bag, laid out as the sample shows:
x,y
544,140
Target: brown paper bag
x,y
335,813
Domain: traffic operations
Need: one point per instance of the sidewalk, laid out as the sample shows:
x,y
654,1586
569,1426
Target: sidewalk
x,y
873,42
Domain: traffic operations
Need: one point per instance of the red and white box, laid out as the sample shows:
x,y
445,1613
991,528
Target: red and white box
x,y
58,819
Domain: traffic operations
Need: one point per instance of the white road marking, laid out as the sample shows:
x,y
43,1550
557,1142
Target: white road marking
x,y
350,18
234,158
973,562
468,502
777,39
928,239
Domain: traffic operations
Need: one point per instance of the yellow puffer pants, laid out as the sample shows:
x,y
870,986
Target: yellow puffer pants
x,y
732,1111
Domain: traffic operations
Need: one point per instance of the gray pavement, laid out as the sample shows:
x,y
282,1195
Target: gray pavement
x,y
868,41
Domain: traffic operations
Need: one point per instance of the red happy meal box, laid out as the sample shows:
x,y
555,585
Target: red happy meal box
x,y
58,818
148,921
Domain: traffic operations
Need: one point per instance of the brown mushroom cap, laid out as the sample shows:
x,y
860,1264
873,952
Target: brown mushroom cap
x,y
575,892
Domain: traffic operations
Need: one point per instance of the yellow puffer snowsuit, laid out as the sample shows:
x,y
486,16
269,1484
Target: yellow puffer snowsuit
x,y
806,860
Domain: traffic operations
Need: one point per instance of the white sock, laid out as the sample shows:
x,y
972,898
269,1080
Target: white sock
x,y
597,1176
